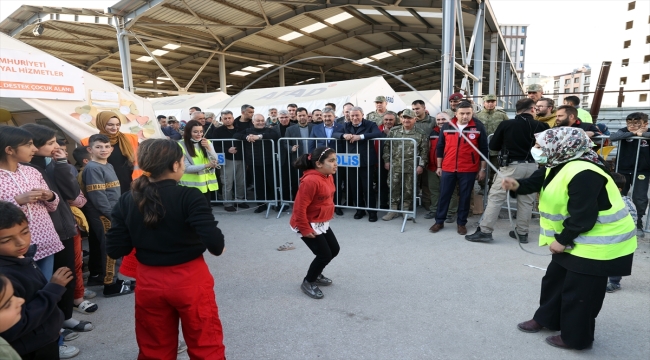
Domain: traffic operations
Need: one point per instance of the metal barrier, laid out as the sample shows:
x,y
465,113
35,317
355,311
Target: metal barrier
x,y
257,167
358,165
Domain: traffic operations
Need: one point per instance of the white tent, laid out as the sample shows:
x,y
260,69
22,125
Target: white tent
x,y
34,82
178,106
360,92
432,99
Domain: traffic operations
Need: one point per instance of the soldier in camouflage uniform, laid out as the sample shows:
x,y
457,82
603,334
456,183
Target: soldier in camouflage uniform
x,y
491,117
426,123
378,116
401,175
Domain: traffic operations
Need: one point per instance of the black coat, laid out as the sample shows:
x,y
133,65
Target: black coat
x,y
223,132
259,151
627,151
365,148
41,319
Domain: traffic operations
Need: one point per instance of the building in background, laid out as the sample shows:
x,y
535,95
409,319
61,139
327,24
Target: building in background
x,y
576,83
544,80
630,57
515,38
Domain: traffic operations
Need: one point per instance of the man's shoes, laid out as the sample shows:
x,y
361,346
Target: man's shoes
x,y
462,230
530,326
522,238
556,341
450,219
323,281
230,209
311,289
261,208
95,280
639,230
372,216
613,287
430,215
436,227
479,236
120,287
359,214
68,351
243,205
338,211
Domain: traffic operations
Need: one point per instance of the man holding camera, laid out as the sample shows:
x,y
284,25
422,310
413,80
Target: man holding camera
x,y
515,161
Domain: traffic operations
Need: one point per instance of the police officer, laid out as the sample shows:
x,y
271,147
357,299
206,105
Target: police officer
x,y
377,116
401,174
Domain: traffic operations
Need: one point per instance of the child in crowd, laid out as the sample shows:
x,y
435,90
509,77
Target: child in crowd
x,y
102,188
10,308
36,333
619,179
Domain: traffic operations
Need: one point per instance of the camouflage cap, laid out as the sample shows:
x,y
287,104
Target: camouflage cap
x,y
171,118
456,96
408,113
490,97
380,99
535,88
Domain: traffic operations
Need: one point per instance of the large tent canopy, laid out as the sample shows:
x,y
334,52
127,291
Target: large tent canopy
x,y
176,46
35,81
360,92
179,106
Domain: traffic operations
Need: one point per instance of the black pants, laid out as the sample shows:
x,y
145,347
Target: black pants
x,y
263,178
325,247
47,352
65,258
448,182
639,193
570,302
360,191
384,189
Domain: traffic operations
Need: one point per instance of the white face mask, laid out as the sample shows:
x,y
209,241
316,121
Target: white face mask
x,y
537,155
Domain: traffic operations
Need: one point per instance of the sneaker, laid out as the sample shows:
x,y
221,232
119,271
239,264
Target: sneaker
x,y
522,238
68,351
89,294
430,215
120,287
451,219
311,289
612,287
479,236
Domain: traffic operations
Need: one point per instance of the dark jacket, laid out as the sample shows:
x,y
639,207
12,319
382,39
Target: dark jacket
x,y
173,134
365,148
457,155
61,178
185,231
627,151
41,319
222,132
516,136
586,127
259,151
318,131
281,129
294,132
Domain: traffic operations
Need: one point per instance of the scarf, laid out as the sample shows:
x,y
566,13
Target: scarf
x,y
119,138
563,144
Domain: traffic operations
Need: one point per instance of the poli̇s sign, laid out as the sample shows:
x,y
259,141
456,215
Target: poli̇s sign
x,y
349,160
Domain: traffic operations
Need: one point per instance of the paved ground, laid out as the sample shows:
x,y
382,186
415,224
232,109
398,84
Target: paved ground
x,y
411,295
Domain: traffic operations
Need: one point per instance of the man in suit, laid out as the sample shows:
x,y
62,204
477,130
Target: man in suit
x,y
295,148
326,129
346,114
357,134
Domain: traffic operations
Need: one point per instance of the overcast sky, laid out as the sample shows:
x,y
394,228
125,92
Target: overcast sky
x,y
562,34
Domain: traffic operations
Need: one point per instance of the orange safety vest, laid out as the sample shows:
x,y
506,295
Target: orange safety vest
x,y
133,140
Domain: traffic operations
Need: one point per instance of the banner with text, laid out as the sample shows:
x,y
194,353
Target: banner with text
x,y
34,76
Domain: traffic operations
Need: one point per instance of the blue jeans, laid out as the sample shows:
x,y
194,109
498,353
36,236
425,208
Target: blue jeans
x,y
46,265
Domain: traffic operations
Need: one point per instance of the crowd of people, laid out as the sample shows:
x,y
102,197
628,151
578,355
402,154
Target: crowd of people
x,y
123,197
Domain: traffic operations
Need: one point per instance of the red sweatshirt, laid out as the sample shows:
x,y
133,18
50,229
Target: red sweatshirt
x,y
314,202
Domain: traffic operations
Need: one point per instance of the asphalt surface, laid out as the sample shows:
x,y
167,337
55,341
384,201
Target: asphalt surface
x,y
411,295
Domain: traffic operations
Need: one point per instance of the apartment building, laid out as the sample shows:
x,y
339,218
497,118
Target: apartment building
x,y
576,83
515,38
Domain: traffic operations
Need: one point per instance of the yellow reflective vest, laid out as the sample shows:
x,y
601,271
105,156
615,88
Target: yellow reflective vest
x,y
205,180
613,235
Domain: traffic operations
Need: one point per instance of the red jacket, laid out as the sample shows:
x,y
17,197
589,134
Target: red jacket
x,y
456,153
314,202
432,165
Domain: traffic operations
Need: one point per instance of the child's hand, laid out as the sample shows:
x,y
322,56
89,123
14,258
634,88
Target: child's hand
x,y
28,197
62,276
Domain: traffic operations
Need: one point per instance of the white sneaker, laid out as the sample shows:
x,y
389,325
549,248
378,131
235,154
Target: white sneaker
x,y
68,351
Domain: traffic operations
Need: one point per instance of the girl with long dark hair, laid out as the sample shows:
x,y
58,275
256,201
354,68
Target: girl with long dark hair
x,y
170,227
312,212
200,160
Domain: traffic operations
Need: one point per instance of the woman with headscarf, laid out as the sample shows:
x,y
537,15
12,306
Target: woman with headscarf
x,y
125,147
588,229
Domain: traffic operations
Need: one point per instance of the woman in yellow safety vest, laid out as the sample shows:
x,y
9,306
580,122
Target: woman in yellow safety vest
x,y
588,228
200,160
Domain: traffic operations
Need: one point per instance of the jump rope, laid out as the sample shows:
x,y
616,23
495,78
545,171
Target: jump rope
x,y
487,160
